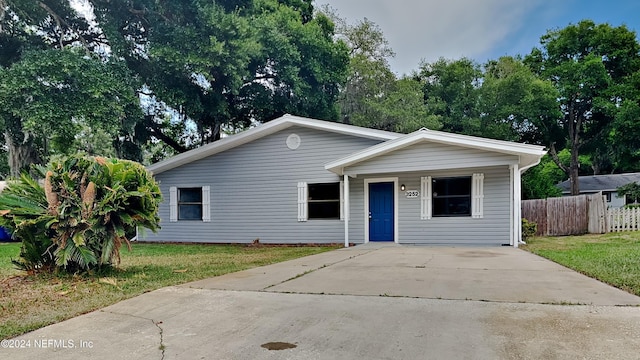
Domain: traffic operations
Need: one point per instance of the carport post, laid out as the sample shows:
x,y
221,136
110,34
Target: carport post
x,y
345,209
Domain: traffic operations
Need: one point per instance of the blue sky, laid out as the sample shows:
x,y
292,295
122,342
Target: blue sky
x,y
478,29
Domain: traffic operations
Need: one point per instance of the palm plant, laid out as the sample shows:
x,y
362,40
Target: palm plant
x,y
83,212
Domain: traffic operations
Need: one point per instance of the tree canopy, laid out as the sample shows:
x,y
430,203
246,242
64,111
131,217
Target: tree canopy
x,y
210,65
143,79
593,66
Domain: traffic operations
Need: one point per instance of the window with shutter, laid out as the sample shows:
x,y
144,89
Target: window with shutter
x,y
190,203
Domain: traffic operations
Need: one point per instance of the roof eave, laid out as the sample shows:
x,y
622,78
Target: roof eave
x,y
529,155
262,130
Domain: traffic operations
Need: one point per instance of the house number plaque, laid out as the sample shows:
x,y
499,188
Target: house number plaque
x,y
411,194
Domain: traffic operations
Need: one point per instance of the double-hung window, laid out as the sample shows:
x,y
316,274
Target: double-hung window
x,y
189,203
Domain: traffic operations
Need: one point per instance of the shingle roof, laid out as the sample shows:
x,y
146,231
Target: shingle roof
x,y
601,182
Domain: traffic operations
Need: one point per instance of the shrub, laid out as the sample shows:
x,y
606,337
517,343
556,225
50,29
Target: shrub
x,y
79,219
529,229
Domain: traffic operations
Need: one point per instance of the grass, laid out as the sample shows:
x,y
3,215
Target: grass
x,y
7,252
612,258
28,302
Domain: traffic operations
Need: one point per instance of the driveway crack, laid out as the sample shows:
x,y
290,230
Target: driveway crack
x,y
162,347
318,268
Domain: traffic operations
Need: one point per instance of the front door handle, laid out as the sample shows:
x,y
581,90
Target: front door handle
x,y
369,214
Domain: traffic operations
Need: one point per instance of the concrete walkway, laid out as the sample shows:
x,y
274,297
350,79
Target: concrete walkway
x,y
371,302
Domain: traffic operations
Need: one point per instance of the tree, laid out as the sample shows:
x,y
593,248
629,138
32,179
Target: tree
x,y
451,94
48,96
369,76
540,181
516,105
402,108
207,64
631,191
234,62
372,95
625,130
589,64
29,32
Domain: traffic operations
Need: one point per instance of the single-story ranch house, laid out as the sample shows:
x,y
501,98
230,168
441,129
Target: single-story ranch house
x,y
298,180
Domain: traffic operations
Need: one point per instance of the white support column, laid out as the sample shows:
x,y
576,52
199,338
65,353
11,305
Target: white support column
x,y
511,215
517,206
346,210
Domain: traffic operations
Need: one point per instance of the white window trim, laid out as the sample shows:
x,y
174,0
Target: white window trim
x,y
477,197
206,202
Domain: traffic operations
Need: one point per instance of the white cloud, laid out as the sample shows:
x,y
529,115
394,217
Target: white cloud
x,y
431,29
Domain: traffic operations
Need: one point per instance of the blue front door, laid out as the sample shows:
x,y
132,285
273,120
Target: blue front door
x,y
381,211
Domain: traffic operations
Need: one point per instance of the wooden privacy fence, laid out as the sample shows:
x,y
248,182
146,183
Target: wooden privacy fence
x,y
571,215
623,219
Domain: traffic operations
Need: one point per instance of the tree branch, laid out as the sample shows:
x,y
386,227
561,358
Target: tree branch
x,y
60,21
156,131
556,159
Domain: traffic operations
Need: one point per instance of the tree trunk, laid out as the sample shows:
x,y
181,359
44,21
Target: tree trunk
x,y
573,171
574,126
21,154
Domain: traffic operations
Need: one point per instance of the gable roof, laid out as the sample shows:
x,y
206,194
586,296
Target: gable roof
x,y
528,154
594,183
263,130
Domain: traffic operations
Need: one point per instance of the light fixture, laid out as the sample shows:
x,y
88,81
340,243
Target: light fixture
x,y
402,187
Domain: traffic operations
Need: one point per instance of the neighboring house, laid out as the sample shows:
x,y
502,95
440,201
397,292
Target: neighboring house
x,y
298,180
608,184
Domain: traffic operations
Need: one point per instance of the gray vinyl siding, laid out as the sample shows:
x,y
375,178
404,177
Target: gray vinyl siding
x,y
430,156
254,190
356,205
492,229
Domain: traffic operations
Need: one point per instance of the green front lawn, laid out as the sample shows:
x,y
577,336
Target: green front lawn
x,y
612,258
8,251
31,302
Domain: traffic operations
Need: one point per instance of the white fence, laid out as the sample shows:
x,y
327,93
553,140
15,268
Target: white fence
x,y
623,219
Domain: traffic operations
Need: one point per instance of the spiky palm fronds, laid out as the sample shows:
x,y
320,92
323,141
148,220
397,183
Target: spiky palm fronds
x,y
83,212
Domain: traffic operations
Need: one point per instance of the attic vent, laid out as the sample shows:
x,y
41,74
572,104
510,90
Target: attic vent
x,y
424,128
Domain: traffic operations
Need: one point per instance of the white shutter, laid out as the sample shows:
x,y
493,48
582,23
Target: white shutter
x,y
302,201
477,196
341,200
173,204
425,197
206,204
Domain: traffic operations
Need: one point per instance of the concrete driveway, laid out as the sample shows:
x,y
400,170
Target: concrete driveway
x,y
372,302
